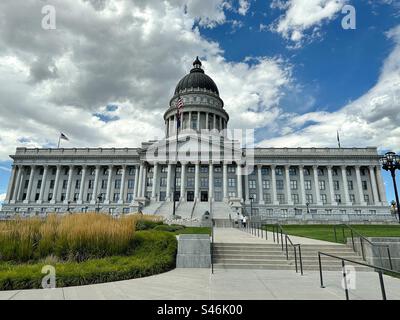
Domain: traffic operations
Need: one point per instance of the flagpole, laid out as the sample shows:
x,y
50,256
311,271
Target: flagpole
x,y
176,164
59,139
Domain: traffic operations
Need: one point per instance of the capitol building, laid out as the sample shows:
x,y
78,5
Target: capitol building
x,y
203,167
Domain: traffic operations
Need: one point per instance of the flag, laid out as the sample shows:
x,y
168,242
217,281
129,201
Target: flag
x,y
63,136
179,107
338,138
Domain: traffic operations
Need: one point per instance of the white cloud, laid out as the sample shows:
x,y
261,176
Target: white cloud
x,y
371,120
302,16
244,6
2,197
127,53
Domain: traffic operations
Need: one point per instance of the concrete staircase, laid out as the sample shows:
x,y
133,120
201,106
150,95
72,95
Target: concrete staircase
x,y
200,208
271,257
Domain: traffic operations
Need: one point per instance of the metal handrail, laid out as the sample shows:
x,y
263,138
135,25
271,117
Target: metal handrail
x,y
362,239
380,271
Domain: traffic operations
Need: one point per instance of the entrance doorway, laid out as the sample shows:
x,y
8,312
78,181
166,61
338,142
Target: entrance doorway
x,y
190,196
204,196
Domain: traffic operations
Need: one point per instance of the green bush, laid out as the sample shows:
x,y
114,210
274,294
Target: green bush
x,y
147,225
155,252
169,228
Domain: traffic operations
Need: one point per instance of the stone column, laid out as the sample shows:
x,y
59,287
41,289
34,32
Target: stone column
x,y
29,191
225,180
82,186
373,184
183,182
302,186
214,121
144,182
122,187
43,185
109,179
273,185
288,189
69,183
11,183
196,180
207,121
210,182
331,188
316,184
190,120
16,192
220,123
137,181
154,187
381,186
360,189
95,185
168,189
345,186
239,182
198,120
260,186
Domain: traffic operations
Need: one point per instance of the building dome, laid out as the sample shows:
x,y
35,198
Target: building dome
x,y
196,79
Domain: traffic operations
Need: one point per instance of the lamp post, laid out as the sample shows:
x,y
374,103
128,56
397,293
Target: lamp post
x,y
68,203
308,207
99,198
251,206
390,162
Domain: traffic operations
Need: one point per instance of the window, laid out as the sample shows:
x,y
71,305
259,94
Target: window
x,y
79,172
131,184
348,172
49,197
218,196
103,184
267,198
65,183
253,196
335,172
232,194
119,171
321,185
284,213
41,171
295,198
265,171
191,169
309,198
149,170
204,182
217,169
365,185
62,196
281,198
217,182
53,171
52,184
350,185
338,198
324,199
163,181
76,196
293,184
90,184
279,184
320,172
231,169
178,181
149,181
352,198
366,198
269,212
190,182
252,184
231,182
266,184
372,211
105,171
363,172
66,170
116,197
77,184
279,171
306,171
39,184
164,169
131,171
358,212
129,197
89,196
307,184
26,184
204,169
292,171
328,211
336,185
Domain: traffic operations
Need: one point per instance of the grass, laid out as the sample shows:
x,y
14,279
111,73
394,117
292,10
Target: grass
x,y
194,230
75,237
326,232
155,252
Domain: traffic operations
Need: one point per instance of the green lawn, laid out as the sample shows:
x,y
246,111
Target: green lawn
x,y
325,232
194,230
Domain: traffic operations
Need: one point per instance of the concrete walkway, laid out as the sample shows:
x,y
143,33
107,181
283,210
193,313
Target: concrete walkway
x,y
199,284
233,235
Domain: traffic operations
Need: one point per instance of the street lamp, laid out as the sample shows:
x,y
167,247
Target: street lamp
x,y
251,206
308,207
68,203
390,162
99,198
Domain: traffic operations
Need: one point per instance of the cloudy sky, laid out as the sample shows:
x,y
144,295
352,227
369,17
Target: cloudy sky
x,y
104,76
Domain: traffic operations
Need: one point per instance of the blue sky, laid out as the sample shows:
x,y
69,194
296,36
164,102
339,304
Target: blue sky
x,y
99,95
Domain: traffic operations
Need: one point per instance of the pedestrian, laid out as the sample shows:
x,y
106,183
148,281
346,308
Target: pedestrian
x,y
244,221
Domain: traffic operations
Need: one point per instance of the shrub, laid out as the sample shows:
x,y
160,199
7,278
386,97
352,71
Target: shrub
x,y
154,253
169,228
147,224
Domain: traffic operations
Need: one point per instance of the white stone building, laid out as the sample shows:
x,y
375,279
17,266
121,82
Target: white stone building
x,y
213,173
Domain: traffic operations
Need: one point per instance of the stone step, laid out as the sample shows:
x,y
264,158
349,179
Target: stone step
x,y
283,256
277,250
274,261
281,267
